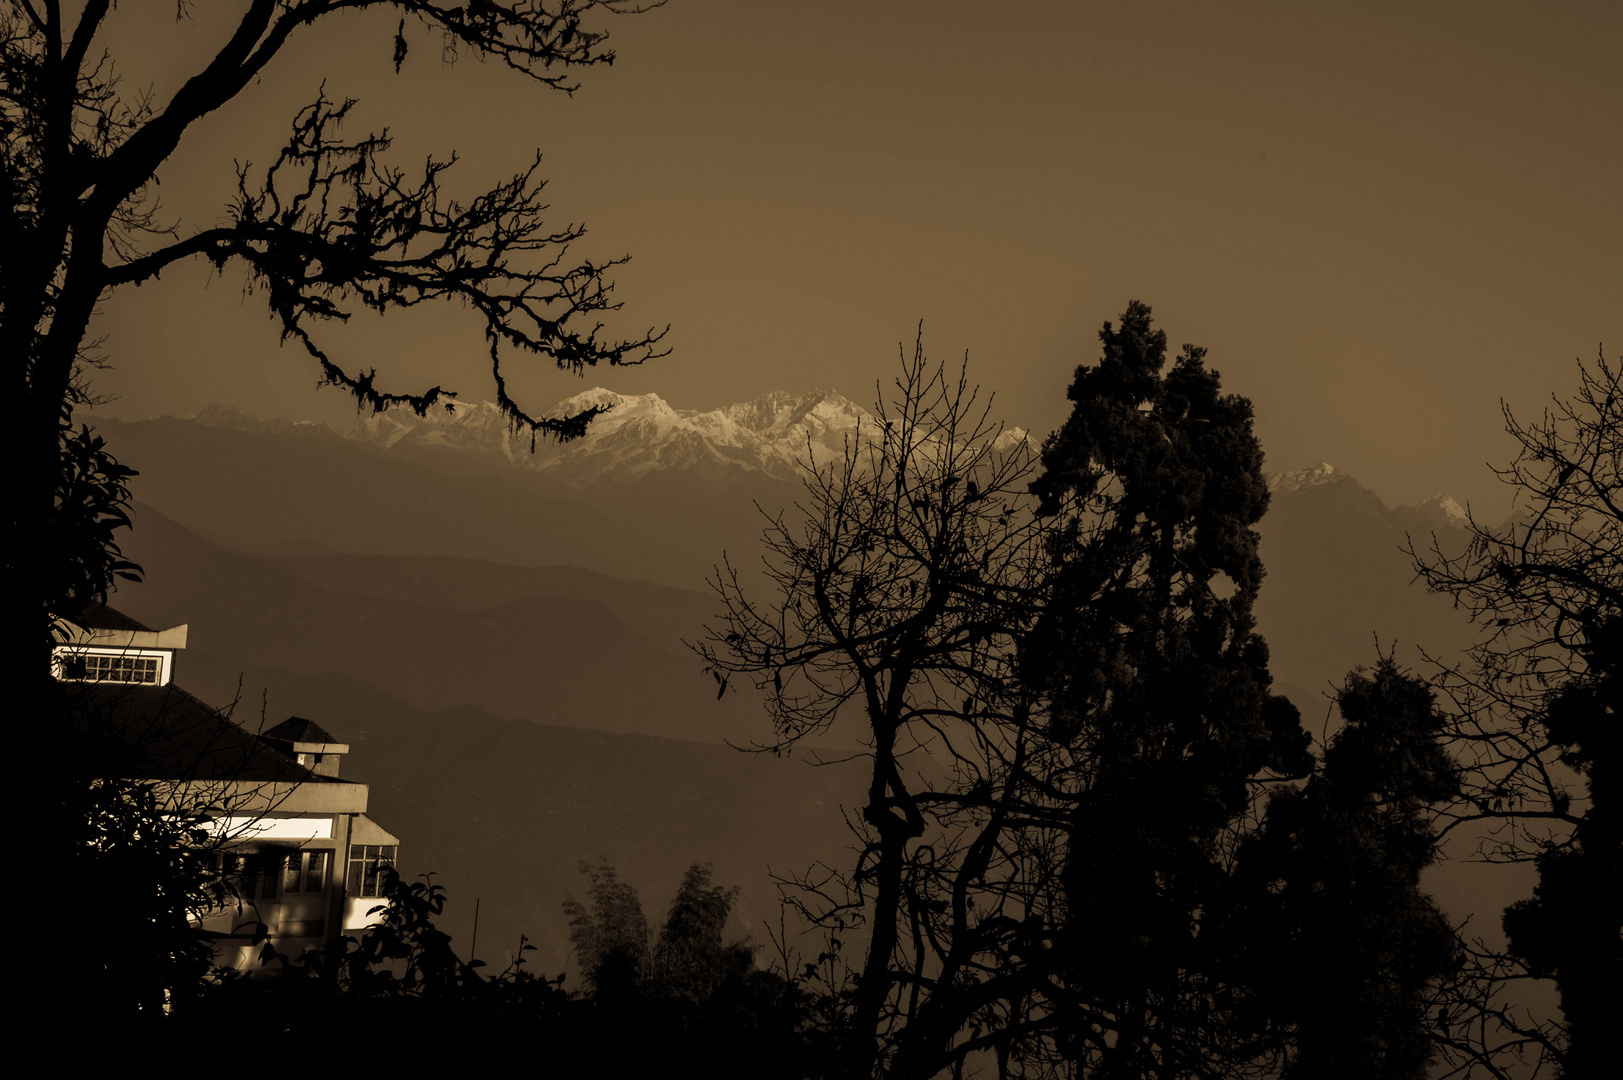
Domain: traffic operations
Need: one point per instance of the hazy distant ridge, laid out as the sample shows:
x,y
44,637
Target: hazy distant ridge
x,y
658,494
1440,511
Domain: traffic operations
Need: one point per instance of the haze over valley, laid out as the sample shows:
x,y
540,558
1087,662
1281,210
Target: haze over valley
x,y
501,635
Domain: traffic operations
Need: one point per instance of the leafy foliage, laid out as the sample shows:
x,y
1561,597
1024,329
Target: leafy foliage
x,y
1068,723
1329,890
91,505
610,939
153,952
135,863
400,983
691,958
687,991
330,228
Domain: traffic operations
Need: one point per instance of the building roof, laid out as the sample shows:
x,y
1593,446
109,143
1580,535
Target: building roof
x,y
164,733
101,617
296,729
100,626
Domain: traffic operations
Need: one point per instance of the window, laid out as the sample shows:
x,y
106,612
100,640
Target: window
x,y
100,668
304,873
365,860
249,876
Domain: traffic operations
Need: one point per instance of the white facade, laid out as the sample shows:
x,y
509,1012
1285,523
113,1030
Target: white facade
x,y
95,654
294,839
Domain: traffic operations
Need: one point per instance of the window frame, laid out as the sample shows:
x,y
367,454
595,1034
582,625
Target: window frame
x,y
295,871
365,862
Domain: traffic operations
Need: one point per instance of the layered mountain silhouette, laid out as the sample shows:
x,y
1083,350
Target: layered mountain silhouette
x,y
553,645
502,633
578,728
505,811
659,495
1340,587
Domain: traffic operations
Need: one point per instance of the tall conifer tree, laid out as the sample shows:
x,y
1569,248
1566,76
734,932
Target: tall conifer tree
x,y
1159,684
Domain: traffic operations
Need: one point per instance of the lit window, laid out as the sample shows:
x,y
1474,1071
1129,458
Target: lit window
x,y
365,860
124,669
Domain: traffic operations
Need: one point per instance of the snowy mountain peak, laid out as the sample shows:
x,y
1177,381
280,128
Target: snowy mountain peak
x,y
1438,511
1452,510
778,412
1286,483
1010,437
625,405
642,433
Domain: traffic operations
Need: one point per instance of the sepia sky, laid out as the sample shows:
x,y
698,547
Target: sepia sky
x,y
1380,218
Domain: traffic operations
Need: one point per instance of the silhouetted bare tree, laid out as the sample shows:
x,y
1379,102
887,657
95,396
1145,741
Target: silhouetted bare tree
x,y
1535,722
1062,865
900,597
327,228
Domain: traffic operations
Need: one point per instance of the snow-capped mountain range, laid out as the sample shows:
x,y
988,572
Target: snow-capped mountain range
x,y
639,434
1286,483
642,434
681,491
1438,511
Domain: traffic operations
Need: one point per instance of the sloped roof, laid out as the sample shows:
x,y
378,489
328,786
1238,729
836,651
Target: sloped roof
x,y
164,733
101,626
101,617
296,729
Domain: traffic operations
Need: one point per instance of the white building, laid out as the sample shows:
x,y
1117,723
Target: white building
x,y
292,834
